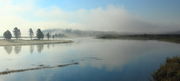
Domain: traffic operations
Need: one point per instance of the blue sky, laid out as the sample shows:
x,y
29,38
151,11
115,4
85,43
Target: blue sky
x,y
114,15
147,8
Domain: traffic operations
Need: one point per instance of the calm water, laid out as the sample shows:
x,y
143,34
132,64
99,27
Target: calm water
x,y
99,60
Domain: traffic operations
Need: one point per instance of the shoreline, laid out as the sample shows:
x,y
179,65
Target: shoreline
x,y
31,42
168,71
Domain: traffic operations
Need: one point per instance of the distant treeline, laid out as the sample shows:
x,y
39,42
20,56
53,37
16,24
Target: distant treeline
x,y
76,33
175,38
146,36
170,71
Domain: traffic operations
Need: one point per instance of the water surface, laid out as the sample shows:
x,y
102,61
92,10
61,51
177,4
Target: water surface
x,y
99,60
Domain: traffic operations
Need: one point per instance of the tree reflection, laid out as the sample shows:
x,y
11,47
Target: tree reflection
x,y
8,49
31,49
40,48
17,49
48,46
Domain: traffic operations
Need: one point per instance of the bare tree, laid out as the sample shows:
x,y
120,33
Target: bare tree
x,y
48,35
31,33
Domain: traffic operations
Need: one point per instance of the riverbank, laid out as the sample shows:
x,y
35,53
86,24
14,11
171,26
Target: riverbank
x,y
170,71
31,42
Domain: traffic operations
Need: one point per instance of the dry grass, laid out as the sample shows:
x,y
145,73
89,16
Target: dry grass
x,y
169,71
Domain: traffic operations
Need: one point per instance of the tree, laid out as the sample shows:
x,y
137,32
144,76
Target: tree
x,y
17,33
53,37
31,33
39,34
48,35
7,35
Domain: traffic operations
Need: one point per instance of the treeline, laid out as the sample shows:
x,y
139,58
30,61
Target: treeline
x,y
142,36
17,34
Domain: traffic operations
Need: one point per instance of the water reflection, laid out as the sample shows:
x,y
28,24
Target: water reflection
x,y
48,46
40,48
113,60
31,49
8,49
17,49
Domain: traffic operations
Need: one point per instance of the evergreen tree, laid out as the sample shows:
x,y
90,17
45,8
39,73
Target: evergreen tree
x,y
48,35
7,35
53,37
39,34
17,33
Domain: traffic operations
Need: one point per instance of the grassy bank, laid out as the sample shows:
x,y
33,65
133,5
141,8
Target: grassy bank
x,y
31,42
161,37
170,71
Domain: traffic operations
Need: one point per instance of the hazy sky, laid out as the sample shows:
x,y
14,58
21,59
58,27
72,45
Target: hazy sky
x,y
114,15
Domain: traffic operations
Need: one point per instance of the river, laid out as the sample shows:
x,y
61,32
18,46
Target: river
x,y
98,60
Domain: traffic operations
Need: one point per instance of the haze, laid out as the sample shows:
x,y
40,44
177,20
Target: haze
x,y
137,16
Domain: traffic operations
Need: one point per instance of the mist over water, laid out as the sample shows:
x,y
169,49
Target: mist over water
x,y
87,40
123,60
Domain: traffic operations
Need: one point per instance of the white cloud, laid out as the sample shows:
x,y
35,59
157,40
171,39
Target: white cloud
x,y
27,14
